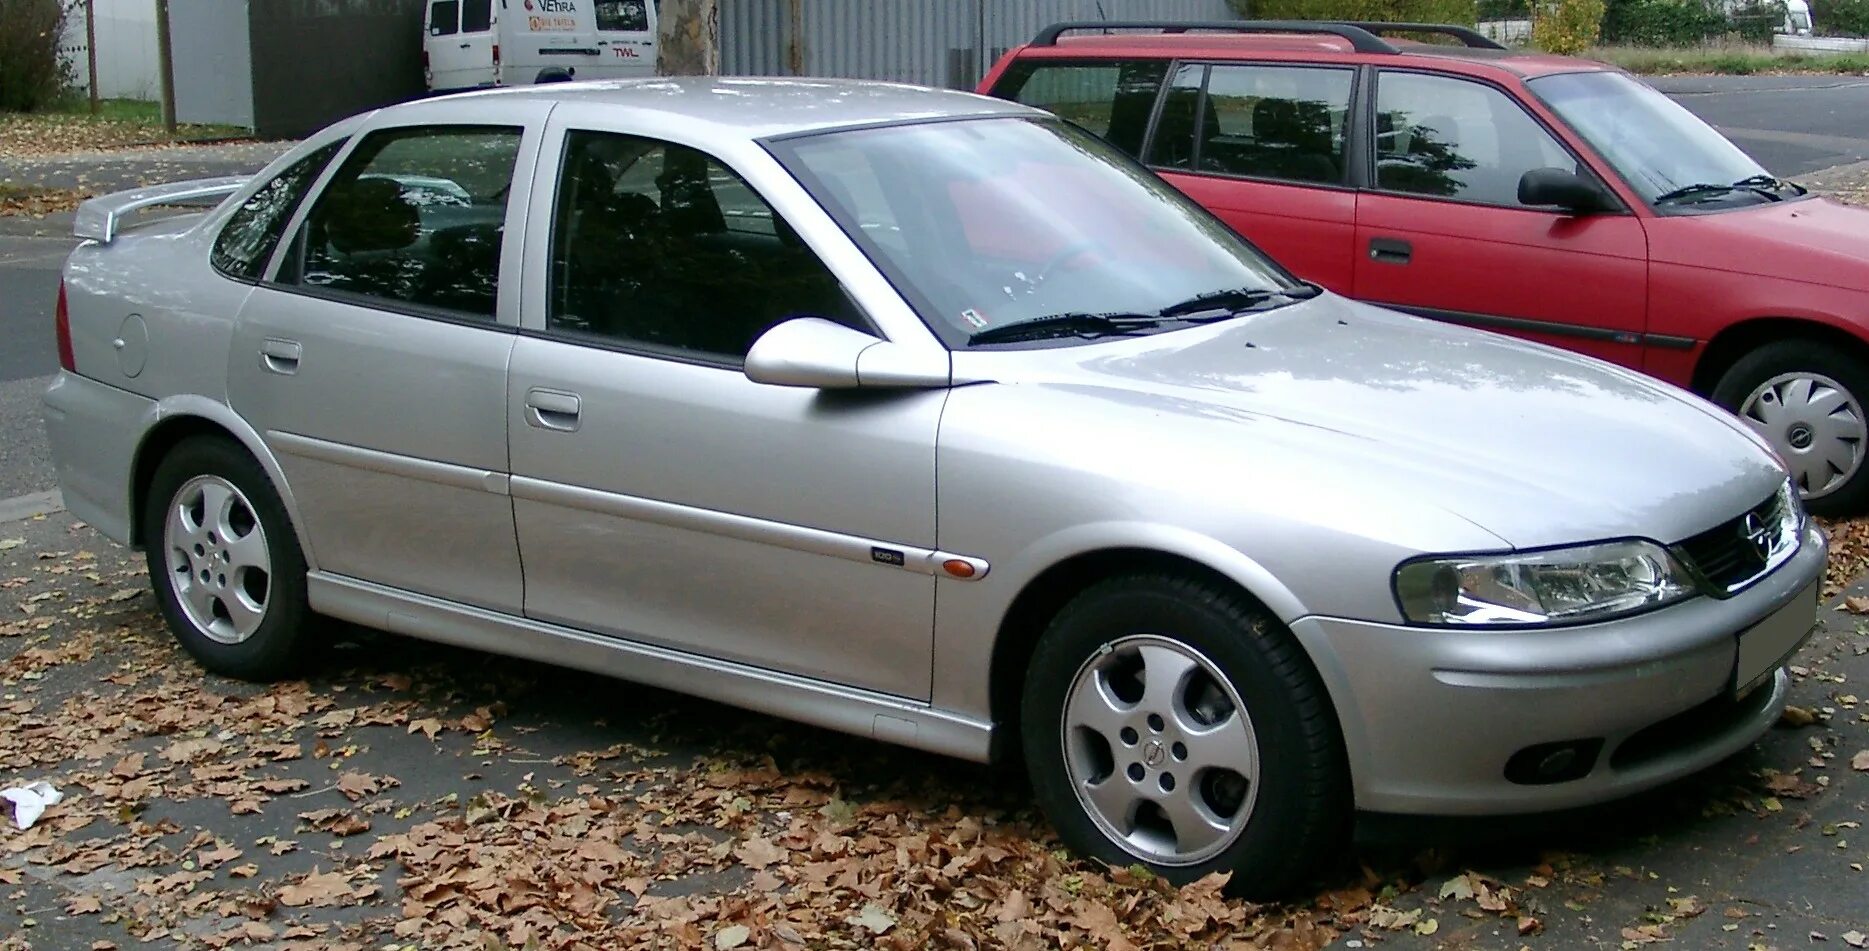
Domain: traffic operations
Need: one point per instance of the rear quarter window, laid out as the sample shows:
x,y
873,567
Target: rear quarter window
x,y
1112,100
247,241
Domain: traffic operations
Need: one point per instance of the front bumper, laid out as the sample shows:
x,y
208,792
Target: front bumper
x,y
1431,718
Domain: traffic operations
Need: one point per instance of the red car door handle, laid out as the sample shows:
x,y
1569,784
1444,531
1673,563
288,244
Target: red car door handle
x,y
1390,250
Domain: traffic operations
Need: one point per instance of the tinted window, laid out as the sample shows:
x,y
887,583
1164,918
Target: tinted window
x,y
416,216
476,16
443,17
660,245
1173,145
1275,122
627,16
252,232
1458,139
1113,100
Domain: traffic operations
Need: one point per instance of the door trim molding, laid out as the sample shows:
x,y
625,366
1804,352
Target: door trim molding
x,y
927,561
1494,321
819,703
389,463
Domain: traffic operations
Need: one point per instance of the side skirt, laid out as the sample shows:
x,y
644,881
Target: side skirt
x,y
864,713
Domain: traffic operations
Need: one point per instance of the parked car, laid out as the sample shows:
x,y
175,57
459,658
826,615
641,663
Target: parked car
x,y
468,44
1552,198
932,418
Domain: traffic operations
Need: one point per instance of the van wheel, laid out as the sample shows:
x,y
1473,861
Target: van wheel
x,y
1173,723
225,563
1807,400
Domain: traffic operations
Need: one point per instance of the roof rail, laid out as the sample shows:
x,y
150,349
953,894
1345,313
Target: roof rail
x,y
1361,40
1465,34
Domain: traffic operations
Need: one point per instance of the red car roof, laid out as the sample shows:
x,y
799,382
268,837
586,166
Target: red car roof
x,y
1307,47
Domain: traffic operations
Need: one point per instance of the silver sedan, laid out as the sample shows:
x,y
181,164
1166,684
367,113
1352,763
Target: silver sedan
x,y
930,418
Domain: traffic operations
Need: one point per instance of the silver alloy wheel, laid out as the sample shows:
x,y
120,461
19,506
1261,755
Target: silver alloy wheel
x,y
1816,425
1160,750
219,567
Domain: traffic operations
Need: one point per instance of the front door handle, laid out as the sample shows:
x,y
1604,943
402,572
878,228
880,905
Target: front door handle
x,y
1390,250
280,356
552,409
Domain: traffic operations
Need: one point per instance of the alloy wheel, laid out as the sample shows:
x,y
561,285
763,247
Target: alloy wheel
x,y
219,566
1816,426
1160,750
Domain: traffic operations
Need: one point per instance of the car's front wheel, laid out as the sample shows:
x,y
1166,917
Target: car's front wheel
x,y
225,563
1171,722
1807,400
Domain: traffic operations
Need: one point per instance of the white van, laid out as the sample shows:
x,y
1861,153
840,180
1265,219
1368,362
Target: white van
x,y
474,43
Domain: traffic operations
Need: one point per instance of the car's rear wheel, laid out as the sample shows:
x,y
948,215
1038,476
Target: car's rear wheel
x,y
1807,400
225,562
1171,722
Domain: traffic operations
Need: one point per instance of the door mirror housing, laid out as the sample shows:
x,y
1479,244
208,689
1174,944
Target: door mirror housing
x,y
814,352
1567,190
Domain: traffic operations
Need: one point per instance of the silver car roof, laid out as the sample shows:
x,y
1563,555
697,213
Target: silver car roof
x,y
756,108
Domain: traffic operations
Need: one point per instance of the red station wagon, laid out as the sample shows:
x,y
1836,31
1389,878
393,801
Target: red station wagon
x,y
1551,198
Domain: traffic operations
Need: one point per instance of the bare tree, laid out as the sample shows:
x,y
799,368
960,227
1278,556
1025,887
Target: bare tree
x,y
688,38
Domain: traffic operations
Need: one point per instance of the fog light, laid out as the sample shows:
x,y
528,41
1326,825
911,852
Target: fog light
x,y
1553,762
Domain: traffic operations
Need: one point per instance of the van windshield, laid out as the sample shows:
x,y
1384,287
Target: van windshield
x,y
994,222
1666,153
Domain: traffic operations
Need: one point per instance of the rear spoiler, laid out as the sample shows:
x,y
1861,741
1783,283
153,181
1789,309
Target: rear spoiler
x,y
100,218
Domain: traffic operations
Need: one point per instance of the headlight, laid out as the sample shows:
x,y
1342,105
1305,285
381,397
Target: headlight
x,y
1563,586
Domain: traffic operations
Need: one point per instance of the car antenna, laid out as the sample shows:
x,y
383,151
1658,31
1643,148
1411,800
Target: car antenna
x,y
1101,15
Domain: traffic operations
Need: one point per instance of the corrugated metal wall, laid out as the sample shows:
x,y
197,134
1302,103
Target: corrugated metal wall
x,y
932,42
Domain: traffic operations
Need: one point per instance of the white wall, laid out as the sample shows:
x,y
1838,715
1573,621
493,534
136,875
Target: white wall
x,y
126,49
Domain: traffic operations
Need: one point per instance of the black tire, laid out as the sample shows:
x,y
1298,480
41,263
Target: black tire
x,y
280,643
1803,356
1301,814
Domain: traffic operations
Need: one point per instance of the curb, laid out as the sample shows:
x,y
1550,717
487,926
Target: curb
x,y
22,507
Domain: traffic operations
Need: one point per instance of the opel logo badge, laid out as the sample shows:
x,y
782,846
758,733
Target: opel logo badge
x,y
1153,754
1752,528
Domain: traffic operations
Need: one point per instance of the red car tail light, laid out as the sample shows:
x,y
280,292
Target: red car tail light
x,y
61,321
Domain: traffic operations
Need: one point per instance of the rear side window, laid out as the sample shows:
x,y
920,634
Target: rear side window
x,y
1112,100
413,216
251,233
1280,122
444,17
476,16
1455,138
623,16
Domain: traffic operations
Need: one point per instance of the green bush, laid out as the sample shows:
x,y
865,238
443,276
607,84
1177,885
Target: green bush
x,y
1505,9
31,75
1841,17
1386,11
1566,26
1661,22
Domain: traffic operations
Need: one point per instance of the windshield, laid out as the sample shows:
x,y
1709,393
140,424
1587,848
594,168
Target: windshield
x,y
985,223
1661,149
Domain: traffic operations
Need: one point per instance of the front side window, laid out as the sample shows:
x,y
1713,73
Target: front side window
x,y
662,247
247,241
1112,100
623,16
414,216
476,16
1280,122
1013,220
1453,138
444,17
1666,153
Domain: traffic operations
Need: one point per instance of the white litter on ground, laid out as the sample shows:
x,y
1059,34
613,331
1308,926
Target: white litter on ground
x,y
30,801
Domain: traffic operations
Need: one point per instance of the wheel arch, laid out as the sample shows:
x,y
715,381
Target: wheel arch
x,y
1735,341
1047,591
179,418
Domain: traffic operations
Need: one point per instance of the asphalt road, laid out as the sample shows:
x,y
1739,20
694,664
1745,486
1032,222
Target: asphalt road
x,y
1794,125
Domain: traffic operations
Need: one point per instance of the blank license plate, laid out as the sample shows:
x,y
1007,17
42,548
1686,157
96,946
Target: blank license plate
x,y
1768,643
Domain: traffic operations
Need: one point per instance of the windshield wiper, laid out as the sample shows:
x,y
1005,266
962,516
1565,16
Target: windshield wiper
x,y
1236,299
1772,182
1070,323
1756,184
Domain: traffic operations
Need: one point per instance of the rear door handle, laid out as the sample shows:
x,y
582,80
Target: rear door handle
x,y
552,409
1390,250
280,356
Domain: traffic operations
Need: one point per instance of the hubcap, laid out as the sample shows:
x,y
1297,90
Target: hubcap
x,y
1816,426
1160,750
218,564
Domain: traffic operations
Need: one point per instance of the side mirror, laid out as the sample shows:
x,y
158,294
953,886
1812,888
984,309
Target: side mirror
x,y
814,352
1567,190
